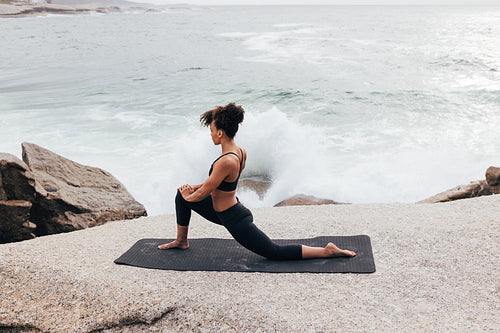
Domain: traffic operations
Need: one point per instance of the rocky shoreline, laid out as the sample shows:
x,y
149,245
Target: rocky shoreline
x,y
46,193
25,9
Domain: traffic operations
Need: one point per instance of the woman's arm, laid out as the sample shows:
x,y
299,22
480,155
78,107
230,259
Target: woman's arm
x,y
220,171
196,187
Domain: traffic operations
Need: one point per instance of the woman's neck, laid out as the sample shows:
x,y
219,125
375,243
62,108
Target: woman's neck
x,y
228,145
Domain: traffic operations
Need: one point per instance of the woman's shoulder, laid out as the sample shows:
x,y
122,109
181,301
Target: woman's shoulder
x,y
243,152
232,157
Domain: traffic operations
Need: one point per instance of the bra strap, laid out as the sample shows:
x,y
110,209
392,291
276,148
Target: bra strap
x,y
231,152
221,156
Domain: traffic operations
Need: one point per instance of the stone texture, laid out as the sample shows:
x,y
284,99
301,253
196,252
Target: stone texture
x,y
16,181
493,179
14,221
71,196
437,271
305,200
474,189
17,193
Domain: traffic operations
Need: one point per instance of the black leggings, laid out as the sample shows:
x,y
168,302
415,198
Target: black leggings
x,y
238,220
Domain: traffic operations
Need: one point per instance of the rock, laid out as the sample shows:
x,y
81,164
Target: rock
x,y
474,189
71,196
301,199
258,185
107,10
493,179
14,223
17,193
16,181
21,9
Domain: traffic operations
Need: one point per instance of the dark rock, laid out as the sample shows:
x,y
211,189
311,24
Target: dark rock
x,y
17,192
493,179
16,181
302,200
14,221
474,189
71,196
107,10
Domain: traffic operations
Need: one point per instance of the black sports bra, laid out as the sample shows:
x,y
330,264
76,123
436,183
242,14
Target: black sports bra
x,y
228,186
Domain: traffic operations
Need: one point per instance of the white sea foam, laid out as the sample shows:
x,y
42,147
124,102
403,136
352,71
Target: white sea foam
x,y
135,120
301,159
304,43
291,25
288,153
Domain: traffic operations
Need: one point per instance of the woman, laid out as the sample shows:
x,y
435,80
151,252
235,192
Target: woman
x,y
216,200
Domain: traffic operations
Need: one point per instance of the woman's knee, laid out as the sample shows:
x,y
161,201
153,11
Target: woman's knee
x,y
179,198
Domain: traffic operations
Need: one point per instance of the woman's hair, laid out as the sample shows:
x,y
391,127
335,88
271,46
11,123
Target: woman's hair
x,y
226,118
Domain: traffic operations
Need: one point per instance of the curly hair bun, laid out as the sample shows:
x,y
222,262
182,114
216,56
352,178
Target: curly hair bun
x,y
226,118
230,113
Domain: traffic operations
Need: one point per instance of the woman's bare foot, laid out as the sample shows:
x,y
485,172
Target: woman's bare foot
x,y
333,251
176,244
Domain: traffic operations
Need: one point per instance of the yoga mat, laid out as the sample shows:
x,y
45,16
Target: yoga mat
x,y
215,254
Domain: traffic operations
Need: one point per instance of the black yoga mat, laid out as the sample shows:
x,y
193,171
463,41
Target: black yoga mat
x,y
215,254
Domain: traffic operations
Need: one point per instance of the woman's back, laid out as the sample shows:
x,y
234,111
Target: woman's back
x,y
224,196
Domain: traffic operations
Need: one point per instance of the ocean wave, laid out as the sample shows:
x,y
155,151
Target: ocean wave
x,y
191,69
236,34
472,61
292,25
305,42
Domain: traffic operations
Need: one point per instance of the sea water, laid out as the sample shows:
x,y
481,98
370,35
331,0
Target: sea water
x,y
353,103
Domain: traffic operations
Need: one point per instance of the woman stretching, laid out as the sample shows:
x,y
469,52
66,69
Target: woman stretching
x,y
216,200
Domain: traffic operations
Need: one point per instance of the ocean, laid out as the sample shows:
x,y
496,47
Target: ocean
x,y
352,103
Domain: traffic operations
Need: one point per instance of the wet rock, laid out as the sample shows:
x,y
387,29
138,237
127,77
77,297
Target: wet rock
x,y
258,185
71,196
107,10
301,200
14,221
493,179
474,189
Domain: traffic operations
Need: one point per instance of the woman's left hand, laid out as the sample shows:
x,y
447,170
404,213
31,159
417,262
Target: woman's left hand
x,y
186,190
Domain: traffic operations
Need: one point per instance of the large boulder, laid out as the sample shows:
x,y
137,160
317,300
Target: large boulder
x,y
71,196
17,192
474,189
304,200
493,179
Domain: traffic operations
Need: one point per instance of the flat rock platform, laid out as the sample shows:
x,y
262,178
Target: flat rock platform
x,y
437,270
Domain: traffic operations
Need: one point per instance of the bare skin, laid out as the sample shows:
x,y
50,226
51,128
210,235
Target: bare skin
x,y
329,251
228,169
175,245
181,242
